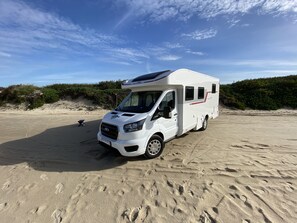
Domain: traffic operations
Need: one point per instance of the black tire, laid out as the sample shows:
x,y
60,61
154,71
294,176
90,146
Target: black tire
x,y
154,147
204,124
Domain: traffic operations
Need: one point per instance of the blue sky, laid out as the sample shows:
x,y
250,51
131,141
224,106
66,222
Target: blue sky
x,y
66,41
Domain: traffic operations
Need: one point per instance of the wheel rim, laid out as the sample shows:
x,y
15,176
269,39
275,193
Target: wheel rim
x,y
154,147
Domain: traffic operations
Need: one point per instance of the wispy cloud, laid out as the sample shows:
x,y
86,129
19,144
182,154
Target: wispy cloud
x,y
233,22
167,52
134,55
248,63
201,34
159,10
169,57
198,53
171,45
25,29
3,54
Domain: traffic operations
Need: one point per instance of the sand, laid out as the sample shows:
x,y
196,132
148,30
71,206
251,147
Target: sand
x,y
243,168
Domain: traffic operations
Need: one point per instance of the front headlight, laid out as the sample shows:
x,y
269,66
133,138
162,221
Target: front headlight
x,y
135,126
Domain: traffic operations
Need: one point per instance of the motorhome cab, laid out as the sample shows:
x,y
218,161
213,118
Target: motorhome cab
x,y
160,107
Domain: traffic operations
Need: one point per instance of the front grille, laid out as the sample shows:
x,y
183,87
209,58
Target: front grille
x,y
109,130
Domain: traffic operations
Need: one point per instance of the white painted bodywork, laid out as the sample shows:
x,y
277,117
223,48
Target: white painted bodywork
x,y
186,115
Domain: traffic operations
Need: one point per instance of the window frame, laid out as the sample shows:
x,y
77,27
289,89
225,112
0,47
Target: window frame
x,y
192,94
213,88
198,96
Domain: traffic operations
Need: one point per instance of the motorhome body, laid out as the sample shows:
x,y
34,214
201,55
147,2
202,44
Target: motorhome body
x,y
161,106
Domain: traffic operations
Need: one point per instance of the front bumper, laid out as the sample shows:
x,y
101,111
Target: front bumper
x,y
121,144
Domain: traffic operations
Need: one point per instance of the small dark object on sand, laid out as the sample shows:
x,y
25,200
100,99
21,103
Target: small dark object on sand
x,y
81,122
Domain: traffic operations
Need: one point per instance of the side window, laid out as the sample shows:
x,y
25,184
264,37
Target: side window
x,y
214,88
168,101
189,93
200,92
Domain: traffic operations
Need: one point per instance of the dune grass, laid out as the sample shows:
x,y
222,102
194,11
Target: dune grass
x,y
264,93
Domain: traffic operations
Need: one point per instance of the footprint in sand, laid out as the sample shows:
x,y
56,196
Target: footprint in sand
x,y
29,186
289,187
6,185
43,177
57,216
154,190
232,187
102,188
3,206
230,170
39,210
181,189
215,210
138,214
59,188
121,192
206,217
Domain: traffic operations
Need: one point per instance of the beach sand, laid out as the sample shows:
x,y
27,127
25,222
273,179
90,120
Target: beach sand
x,y
243,168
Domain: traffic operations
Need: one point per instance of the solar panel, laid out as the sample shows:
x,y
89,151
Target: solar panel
x,y
149,76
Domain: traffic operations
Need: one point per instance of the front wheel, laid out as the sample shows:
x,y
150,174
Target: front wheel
x,y
154,147
204,124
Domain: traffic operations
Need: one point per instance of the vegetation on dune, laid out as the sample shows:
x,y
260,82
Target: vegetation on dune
x,y
263,93
106,94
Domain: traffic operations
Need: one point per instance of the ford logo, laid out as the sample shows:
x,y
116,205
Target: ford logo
x,y
106,129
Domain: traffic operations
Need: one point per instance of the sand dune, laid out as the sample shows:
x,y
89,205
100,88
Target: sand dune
x,y
243,168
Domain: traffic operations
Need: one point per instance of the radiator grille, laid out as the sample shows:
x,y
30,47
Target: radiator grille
x,y
109,130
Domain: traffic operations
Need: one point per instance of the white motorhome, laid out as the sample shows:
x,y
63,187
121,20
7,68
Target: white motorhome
x,y
160,107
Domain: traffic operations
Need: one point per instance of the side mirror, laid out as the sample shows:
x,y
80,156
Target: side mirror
x,y
167,112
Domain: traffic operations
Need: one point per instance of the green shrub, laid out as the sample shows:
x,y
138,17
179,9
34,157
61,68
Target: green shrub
x,y
17,93
35,102
262,93
50,95
104,85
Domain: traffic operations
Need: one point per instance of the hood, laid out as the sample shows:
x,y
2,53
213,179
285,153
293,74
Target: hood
x,y
121,118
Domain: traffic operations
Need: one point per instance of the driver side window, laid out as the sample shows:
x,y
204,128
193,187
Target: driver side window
x,y
168,101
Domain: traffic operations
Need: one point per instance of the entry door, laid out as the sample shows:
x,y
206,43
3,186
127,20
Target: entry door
x,y
169,125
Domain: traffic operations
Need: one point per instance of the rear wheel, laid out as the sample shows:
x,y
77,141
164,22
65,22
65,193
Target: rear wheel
x,y
154,147
204,124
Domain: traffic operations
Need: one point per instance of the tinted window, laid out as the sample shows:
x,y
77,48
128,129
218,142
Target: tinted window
x,y
214,90
200,92
189,93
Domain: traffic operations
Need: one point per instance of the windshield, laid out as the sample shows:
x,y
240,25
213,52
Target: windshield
x,y
139,102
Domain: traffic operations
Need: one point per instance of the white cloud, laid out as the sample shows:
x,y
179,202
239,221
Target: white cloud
x,y
233,22
160,10
275,6
169,57
172,45
201,34
25,29
134,55
198,53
